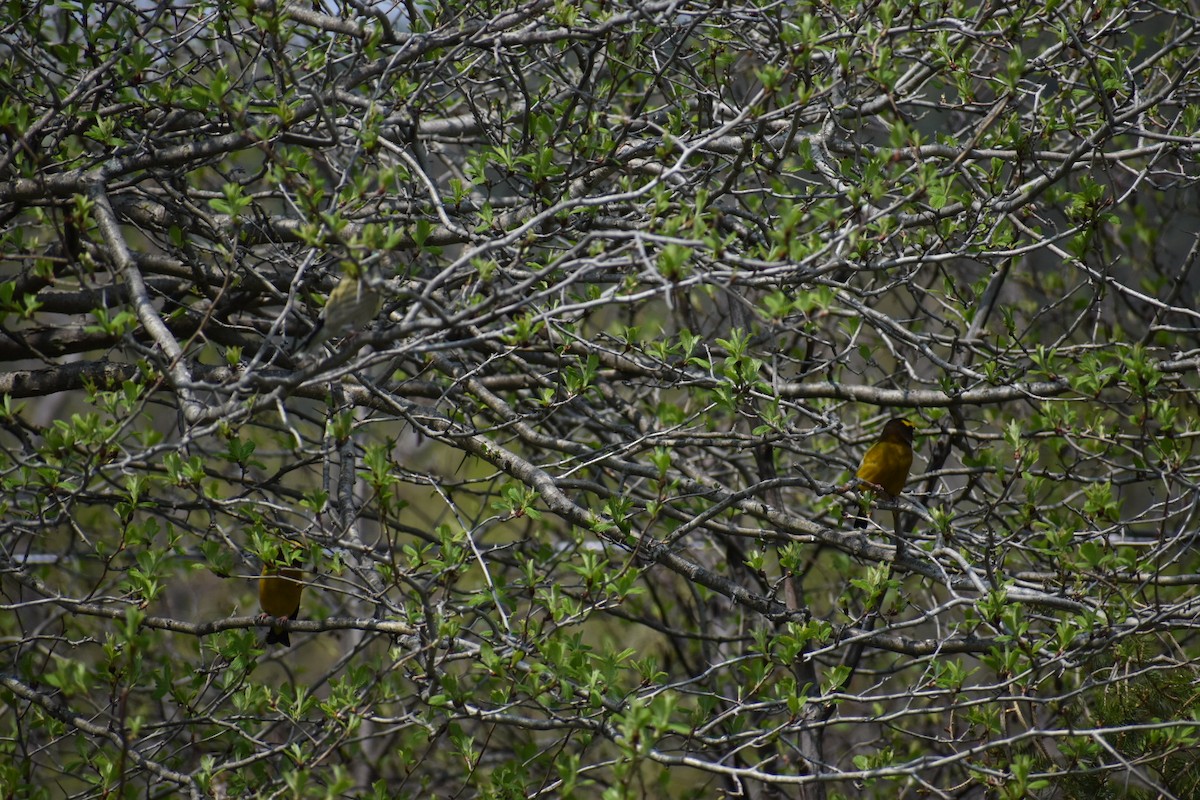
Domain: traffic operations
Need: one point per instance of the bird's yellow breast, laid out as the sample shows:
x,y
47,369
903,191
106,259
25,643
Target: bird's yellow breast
x,y
886,464
279,591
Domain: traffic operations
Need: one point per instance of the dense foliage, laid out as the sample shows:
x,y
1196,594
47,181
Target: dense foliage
x,y
574,506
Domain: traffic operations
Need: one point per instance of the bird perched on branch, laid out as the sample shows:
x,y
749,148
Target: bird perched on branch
x,y
353,303
886,464
279,589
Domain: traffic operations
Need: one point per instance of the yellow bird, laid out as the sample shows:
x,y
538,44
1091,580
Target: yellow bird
x,y
886,464
352,304
279,595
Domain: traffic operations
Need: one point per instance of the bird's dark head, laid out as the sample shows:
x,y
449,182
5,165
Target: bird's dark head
x,y
898,430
